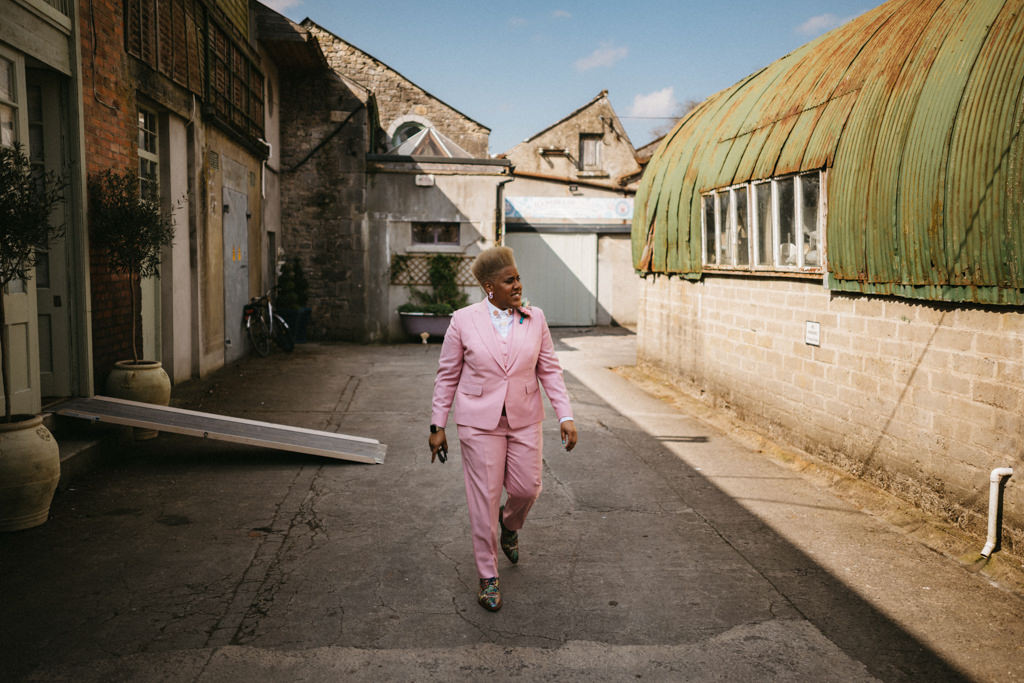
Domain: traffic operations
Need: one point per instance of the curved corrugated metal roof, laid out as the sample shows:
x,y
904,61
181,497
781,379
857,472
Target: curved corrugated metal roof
x,y
916,107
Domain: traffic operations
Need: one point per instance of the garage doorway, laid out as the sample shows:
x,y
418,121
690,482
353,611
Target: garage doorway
x,y
559,272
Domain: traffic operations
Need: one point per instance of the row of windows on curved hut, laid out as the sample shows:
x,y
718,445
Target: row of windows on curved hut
x,y
771,224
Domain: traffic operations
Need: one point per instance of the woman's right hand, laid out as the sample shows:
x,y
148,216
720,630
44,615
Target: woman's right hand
x,y
437,441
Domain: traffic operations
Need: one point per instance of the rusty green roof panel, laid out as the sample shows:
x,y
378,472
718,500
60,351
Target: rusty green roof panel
x,y
916,108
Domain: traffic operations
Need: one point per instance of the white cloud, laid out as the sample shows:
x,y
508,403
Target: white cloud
x,y
606,55
561,14
281,5
517,22
655,104
821,23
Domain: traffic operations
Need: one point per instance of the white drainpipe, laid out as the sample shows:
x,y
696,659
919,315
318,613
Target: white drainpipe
x,y
993,503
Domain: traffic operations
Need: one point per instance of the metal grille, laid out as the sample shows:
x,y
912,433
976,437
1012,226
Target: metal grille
x,y
416,271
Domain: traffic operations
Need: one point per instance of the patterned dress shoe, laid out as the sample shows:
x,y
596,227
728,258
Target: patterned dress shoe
x,y
490,595
509,539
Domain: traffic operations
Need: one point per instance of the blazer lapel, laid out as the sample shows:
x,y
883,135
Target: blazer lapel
x,y
484,327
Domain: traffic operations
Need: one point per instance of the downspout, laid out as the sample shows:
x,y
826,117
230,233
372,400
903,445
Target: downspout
x,y
499,208
994,480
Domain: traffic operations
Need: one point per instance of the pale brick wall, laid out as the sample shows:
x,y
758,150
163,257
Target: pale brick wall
x,y
922,398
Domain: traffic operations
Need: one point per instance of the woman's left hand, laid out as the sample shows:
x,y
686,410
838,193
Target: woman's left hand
x,y
568,434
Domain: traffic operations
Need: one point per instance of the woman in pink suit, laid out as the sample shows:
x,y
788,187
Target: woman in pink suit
x,y
493,355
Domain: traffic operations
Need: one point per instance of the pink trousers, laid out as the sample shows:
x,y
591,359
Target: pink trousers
x,y
491,460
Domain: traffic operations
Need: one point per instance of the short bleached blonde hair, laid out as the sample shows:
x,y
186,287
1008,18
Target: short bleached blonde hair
x,y
490,262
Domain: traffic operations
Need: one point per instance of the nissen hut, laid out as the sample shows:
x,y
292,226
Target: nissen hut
x,y
833,250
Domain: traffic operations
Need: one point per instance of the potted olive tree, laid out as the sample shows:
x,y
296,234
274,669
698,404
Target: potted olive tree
x,y
429,312
132,229
29,459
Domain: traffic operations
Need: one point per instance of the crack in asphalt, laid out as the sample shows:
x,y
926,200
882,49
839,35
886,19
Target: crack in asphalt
x,y
277,574
246,590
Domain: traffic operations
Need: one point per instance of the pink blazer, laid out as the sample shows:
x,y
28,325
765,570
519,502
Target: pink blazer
x,y
472,371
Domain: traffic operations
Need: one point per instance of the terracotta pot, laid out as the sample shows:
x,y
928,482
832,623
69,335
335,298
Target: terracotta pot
x,y
144,381
29,471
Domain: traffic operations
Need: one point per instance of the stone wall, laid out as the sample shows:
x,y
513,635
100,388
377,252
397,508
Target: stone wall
x,y
924,399
325,135
396,96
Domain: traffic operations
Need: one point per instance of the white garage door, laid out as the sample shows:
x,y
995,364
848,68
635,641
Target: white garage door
x,y
559,274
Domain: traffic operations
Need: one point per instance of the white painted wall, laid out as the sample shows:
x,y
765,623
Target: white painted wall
x,y
176,315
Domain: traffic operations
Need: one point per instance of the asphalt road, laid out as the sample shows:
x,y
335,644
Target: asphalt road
x,y
661,549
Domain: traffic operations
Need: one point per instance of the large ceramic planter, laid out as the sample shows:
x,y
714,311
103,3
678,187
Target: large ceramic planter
x,y
29,471
144,381
415,324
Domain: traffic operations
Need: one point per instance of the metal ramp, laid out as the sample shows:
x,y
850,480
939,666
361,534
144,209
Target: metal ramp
x,y
224,428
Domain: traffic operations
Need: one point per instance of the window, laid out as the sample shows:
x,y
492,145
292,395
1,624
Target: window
x,y
435,233
8,104
590,152
149,159
37,158
406,131
772,224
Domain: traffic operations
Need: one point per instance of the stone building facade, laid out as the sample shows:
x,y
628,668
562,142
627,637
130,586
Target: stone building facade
x,y
399,101
568,213
185,77
323,198
349,206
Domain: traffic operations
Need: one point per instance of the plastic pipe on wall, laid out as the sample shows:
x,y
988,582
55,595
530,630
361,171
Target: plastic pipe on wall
x,y
993,504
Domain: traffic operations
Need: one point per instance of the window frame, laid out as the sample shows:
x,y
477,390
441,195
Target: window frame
x,y
435,244
19,105
153,157
725,216
597,167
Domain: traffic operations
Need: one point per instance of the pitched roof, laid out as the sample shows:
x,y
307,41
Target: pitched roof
x,y
288,44
603,95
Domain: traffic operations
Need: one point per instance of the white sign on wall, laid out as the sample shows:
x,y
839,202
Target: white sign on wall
x,y
812,333
589,209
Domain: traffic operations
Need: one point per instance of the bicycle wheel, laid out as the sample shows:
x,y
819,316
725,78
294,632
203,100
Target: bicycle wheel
x,y
259,332
283,336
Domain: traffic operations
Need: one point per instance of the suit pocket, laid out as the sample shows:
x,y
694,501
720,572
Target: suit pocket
x,y
471,388
530,387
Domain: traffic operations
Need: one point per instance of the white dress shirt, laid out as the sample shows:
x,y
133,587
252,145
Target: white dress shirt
x,y
501,319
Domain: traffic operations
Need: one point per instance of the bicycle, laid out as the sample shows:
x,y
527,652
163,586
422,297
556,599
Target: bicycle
x,y
262,325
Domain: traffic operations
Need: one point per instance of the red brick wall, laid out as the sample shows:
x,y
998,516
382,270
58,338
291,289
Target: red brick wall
x,y
110,142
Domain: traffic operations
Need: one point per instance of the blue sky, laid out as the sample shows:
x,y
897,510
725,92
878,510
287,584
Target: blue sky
x,y
519,67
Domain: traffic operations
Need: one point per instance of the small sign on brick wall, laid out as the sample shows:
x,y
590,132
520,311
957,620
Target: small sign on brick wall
x,y
812,333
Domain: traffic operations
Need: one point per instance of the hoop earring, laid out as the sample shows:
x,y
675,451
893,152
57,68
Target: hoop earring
x,y
490,295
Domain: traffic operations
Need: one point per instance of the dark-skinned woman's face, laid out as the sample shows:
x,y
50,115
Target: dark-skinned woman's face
x,y
507,288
